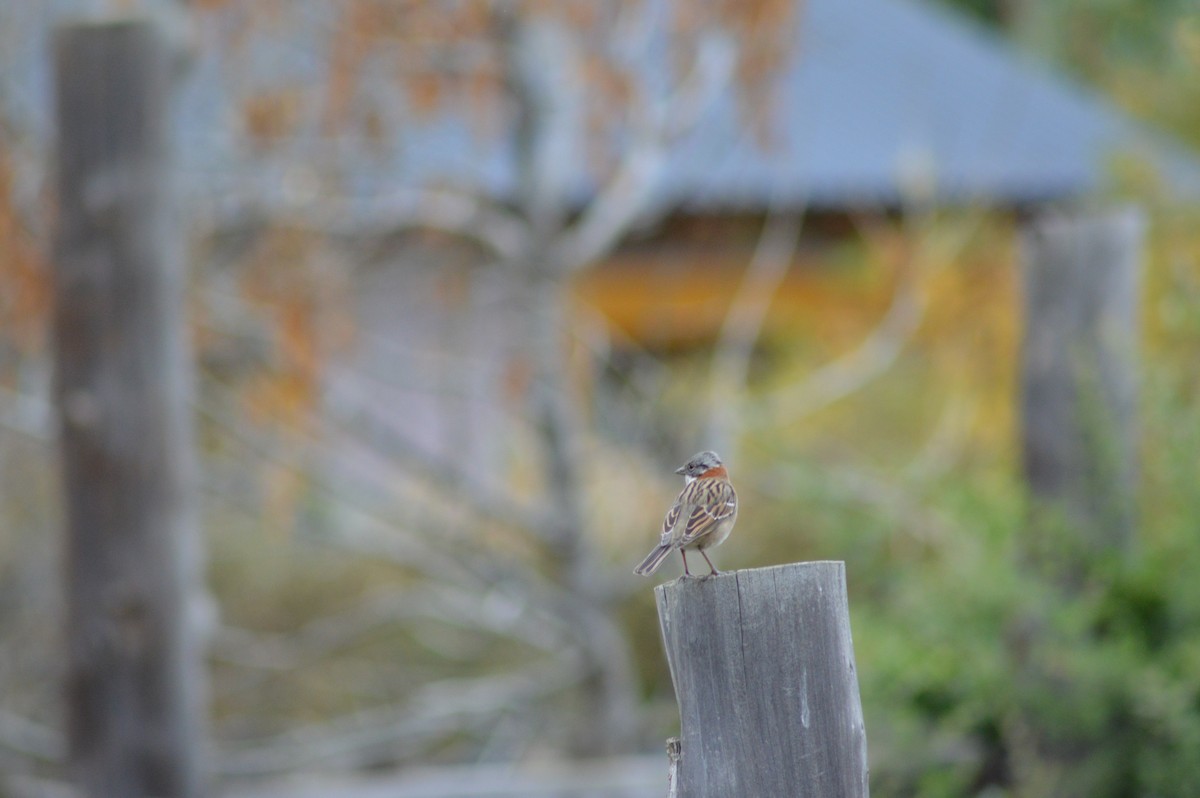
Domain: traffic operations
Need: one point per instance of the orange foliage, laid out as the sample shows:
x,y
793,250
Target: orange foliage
x,y
271,116
301,303
348,54
425,91
764,32
26,298
413,31
448,53
481,92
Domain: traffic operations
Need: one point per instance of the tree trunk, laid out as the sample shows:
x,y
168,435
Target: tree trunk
x,y
548,113
135,679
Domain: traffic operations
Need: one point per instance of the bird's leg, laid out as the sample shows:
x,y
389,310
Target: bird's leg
x,y
710,565
683,554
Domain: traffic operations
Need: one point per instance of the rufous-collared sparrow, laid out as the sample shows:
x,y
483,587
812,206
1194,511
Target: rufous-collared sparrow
x,y
702,516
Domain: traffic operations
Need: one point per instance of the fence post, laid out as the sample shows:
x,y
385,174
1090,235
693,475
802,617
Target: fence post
x,y
763,668
135,679
1081,273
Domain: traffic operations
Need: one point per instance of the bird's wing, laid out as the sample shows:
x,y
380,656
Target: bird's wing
x,y
712,502
670,521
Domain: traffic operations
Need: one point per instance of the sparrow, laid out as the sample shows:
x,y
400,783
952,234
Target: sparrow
x,y
702,516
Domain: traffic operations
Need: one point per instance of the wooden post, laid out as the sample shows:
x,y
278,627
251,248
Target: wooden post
x,y
135,680
763,668
1079,369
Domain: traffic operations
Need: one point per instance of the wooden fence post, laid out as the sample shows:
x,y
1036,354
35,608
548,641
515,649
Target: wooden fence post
x,y
1081,275
763,668
135,678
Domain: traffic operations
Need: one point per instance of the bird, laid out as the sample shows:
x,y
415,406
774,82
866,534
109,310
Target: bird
x,y
702,516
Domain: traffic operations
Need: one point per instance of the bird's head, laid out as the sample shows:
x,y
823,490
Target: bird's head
x,y
699,464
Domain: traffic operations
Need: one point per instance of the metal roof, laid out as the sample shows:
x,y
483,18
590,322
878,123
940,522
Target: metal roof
x,y
887,96
882,99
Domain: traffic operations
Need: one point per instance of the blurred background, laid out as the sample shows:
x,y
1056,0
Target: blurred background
x,y
467,280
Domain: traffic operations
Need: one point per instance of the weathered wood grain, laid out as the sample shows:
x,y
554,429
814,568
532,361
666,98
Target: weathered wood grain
x,y
763,667
135,679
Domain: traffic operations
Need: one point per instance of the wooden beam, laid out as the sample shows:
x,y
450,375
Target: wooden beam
x,y
1079,363
135,679
763,668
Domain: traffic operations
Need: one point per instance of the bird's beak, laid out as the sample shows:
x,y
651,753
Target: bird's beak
x,y
681,470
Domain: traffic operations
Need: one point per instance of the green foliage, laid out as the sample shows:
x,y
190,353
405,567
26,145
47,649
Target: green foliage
x,y
1144,53
983,672
978,672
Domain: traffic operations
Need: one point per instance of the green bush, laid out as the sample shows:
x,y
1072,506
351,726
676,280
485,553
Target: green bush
x,y
982,671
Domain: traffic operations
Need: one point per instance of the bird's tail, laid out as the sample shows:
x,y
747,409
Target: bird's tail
x,y
652,561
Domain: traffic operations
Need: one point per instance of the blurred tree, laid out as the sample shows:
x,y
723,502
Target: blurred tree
x,y
306,101
135,681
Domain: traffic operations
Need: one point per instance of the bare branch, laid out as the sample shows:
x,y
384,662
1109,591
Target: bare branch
x,y
479,609
434,711
630,192
549,111
773,256
610,215
876,353
488,777
26,414
440,550
847,374
437,473
471,217
711,74
945,442
30,739
383,436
